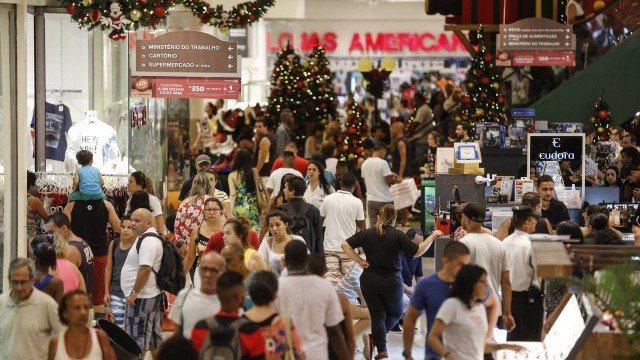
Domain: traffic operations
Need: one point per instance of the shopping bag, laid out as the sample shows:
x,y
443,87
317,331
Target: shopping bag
x,y
404,194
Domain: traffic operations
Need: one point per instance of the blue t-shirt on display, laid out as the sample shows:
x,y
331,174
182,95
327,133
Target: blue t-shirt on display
x,y
57,123
411,266
428,296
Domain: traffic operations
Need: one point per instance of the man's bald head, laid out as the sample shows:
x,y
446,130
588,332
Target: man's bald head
x,y
142,220
211,266
233,255
212,259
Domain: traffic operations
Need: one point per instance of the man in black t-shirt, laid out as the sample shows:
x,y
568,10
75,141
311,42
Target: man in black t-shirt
x,y
552,209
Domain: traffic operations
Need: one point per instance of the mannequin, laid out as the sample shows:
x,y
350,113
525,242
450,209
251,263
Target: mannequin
x,y
96,136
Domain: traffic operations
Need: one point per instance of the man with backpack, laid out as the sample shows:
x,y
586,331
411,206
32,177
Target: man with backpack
x,y
342,214
227,335
145,300
305,218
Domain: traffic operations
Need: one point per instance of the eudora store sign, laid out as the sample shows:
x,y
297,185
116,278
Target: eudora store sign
x,y
355,38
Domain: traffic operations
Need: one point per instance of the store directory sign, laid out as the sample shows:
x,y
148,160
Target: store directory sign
x,y
185,64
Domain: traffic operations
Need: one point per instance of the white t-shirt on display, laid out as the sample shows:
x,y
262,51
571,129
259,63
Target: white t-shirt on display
x,y
296,296
154,203
340,211
374,170
97,137
276,177
466,328
489,253
151,255
195,307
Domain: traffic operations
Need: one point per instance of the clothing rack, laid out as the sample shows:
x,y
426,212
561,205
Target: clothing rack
x,y
62,182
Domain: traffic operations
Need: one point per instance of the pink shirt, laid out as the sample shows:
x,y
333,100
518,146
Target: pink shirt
x,y
70,279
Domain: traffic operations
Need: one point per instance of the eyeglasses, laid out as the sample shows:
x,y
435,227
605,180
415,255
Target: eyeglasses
x,y
209,270
212,209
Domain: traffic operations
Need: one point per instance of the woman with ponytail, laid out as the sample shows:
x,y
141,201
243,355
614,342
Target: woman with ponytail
x,y
381,281
139,181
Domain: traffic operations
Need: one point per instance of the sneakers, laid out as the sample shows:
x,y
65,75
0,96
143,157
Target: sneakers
x,y
396,329
381,355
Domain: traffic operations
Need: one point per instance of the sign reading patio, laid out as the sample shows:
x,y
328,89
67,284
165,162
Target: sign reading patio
x,y
536,42
186,54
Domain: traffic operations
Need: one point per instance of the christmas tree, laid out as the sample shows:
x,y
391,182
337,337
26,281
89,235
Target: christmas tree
x,y
350,143
483,101
601,119
319,79
289,91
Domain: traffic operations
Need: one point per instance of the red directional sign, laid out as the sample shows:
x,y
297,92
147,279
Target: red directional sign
x,y
204,88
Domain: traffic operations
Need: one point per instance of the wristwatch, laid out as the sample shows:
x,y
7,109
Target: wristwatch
x,y
133,292
406,354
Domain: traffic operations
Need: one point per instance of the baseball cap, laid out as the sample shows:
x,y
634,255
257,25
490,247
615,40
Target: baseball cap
x,y
474,211
524,212
203,158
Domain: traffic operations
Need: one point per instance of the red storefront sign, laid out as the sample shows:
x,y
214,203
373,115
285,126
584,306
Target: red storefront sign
x,y
388,42
536,58
190,88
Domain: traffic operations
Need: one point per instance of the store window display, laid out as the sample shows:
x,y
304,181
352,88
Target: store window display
x,y
96,136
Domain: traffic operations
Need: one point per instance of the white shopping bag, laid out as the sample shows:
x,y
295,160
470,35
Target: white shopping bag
x,y
404,194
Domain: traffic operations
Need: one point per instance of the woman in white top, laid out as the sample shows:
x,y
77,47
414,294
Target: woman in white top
x,y
272,247
139,181
461,321
78,341
318,187
573,11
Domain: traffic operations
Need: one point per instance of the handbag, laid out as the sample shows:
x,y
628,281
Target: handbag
x,y
261,191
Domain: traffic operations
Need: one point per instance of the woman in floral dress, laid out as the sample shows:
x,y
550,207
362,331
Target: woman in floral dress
x,y
190,213
242,189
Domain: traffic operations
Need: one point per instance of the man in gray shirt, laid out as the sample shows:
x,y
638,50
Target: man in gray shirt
x,y
283,132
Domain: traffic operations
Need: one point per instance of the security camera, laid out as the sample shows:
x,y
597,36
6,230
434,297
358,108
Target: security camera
x,y
481,180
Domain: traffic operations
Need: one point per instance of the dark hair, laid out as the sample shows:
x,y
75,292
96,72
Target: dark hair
x,y
327,148
139,200
531,199
295,255
317,264
633,153
177,347
454,250
170,222
518,220
144,181
631,137
544,179
342,164
596,209
226,284
466,279
297,185
379,146
44,255
606,236
618,182
84,157
598,221
318,127
321,176
263,288
243,164
215,200
31,179
241,227
412,232
64,302
58,219
570,228
279,212
348,180
466,127
128,217
368,144
288,157
282,182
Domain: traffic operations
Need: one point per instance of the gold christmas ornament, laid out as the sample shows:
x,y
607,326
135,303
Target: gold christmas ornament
x,y
599,5
600,130
135,14
496,85
479,112
471,85
87,2
389,64
365,65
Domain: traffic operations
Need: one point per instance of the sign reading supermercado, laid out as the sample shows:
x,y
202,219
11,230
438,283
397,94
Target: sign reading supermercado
x,y
186,54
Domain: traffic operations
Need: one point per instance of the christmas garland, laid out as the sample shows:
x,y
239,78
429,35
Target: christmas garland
x,y
239,16
119,16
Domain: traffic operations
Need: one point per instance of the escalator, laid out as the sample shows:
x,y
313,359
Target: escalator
x,y
607,58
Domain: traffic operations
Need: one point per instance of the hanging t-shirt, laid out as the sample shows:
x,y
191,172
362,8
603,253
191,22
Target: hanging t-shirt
x,y
97,137
57,123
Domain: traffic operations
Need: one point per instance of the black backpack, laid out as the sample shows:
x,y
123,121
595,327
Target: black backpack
x,y
223,341
170,277
301,225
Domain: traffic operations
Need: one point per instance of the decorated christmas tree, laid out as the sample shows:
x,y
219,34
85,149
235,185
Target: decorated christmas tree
x,y
319,79
601,119
483,101
350,143
289,91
